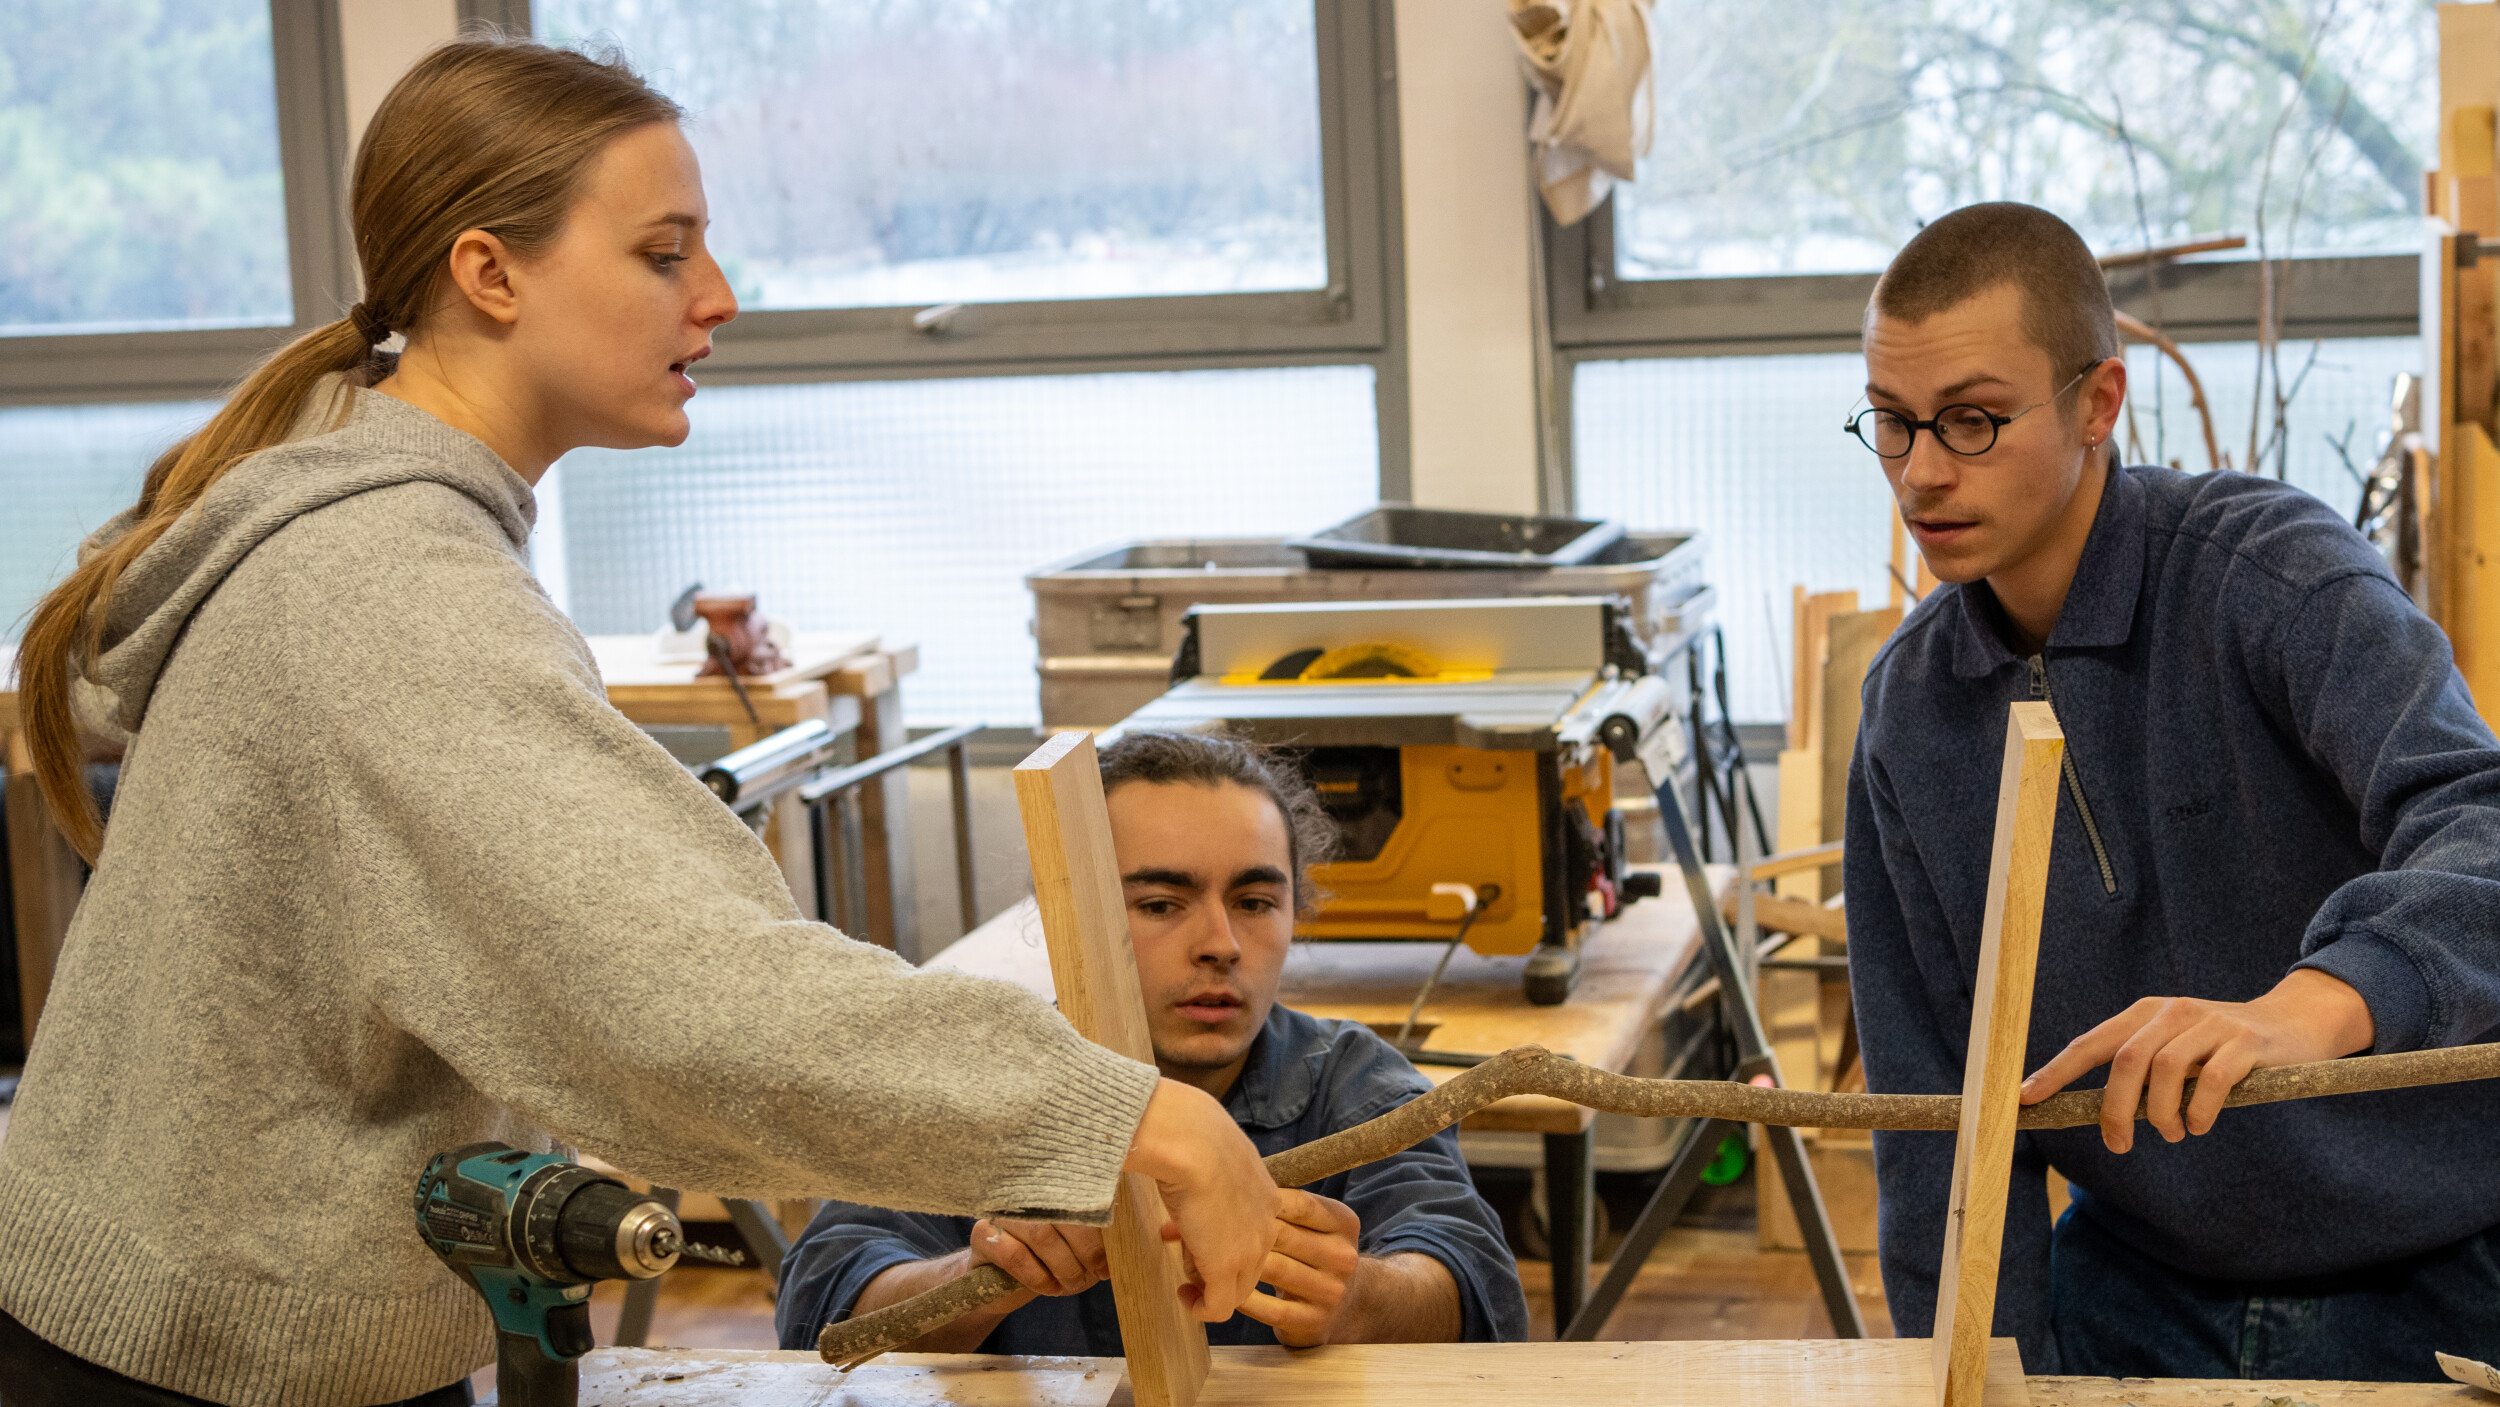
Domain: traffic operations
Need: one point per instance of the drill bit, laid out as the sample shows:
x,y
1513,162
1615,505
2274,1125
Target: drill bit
x,y
668,1242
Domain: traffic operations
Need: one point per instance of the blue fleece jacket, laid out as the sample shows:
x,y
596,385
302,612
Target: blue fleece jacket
x,y
2272,764
1306,1077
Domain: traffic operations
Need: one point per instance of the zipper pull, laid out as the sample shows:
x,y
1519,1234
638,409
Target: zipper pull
x,y
2039,677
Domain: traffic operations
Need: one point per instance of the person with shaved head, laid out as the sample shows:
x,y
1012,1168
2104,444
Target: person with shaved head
x,y
2277,840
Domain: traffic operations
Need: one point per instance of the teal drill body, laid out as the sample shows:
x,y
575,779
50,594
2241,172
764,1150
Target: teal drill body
x,y
532,1233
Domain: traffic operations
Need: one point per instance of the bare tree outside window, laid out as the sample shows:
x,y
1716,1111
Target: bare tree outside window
x,y
142,188
894,152
1816,136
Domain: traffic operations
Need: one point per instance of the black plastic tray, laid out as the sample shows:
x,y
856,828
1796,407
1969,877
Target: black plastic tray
x,y
1399,535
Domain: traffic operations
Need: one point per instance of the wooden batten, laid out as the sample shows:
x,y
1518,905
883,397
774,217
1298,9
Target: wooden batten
x,y
2000,1025
1076,887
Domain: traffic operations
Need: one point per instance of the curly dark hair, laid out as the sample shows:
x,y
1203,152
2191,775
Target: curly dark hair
x,y
1212,759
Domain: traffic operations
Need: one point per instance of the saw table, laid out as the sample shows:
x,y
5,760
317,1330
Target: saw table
x,y
1395,1375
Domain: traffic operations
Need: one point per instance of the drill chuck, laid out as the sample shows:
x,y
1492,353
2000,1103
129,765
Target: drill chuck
x,y
530,1233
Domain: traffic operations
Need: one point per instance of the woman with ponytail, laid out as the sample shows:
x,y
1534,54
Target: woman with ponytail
x,y
385,874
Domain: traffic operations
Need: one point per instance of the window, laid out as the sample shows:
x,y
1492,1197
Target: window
x,y
925,153
173,209
144,190
1145,250
63,471
915,508
1799,143
1749,448
1027,182
1806,136
1705,321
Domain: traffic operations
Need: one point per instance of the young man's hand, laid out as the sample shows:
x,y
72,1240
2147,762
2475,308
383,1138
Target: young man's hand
x,y
1312,1269
2156,1046
1046,1258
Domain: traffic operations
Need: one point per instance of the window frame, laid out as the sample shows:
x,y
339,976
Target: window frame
x,y
1600,317
309,69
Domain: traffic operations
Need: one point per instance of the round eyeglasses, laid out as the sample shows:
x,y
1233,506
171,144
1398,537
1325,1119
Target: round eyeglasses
x,y
1963,429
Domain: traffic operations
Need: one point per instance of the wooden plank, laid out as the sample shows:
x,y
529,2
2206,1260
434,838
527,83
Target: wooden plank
x,y
46,880
1076,887
1800,818
1813,617
1774,913
2469,77
711,1377
1853,638
634,660
2000,1024
2472,510
1725,1373
1812,857
2439,393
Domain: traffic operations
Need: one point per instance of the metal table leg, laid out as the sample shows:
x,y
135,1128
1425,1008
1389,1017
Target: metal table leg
x,y
1754,1057
1570,1216
1683,1179
766,1242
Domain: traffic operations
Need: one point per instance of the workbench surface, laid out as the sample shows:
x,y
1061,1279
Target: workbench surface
x,y
1395,1375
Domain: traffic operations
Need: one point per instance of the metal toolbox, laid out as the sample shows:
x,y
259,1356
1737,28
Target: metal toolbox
x,y
1107,621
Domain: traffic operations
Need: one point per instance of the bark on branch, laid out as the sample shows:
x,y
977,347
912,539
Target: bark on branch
x,y
1532,1069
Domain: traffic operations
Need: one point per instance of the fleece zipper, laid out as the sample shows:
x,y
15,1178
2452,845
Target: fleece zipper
x,y
2074,782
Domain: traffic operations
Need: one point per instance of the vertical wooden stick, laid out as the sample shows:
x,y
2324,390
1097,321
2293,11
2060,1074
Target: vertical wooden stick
x,y
1992,1076
1076,884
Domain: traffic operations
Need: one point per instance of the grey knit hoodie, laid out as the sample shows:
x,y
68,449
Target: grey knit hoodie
x,y
386,875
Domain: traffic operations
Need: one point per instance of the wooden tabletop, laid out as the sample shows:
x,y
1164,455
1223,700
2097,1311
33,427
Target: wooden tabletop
x,y
1627,970
828,672
1724,1373
633,661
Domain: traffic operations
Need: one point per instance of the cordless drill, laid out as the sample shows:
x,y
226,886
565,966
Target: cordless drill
x,y
532,1232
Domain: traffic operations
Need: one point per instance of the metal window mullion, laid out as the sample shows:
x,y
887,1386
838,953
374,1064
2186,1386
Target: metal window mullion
x,y
313,153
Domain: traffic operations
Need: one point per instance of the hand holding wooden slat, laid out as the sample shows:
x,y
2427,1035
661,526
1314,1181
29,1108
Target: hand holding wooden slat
x,y
1533,1070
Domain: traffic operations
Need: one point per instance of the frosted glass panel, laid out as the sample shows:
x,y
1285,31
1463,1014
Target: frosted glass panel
x,y
1750,450
63,471
914,508
925,151
142,188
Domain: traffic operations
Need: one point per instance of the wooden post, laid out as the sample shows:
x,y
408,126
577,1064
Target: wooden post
x,y
46,880
2000,1024
1076,885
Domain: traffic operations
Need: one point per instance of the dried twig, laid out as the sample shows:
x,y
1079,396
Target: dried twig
x,y
2152,287
1534,1070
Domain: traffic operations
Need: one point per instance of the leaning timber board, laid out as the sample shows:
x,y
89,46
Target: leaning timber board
x,y
1076,888
1521,1374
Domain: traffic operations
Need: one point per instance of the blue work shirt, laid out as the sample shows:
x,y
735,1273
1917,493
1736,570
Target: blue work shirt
x,y
2271,763
1305,1078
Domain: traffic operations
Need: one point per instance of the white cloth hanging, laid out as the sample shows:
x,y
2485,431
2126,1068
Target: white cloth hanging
x,y
1589,60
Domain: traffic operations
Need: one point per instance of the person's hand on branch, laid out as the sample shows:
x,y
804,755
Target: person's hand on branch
x,y
1222,1202
1046,1258
1311,1269
2156,1046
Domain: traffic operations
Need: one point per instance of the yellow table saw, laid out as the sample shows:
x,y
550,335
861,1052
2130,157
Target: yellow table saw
x,y
1453,743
